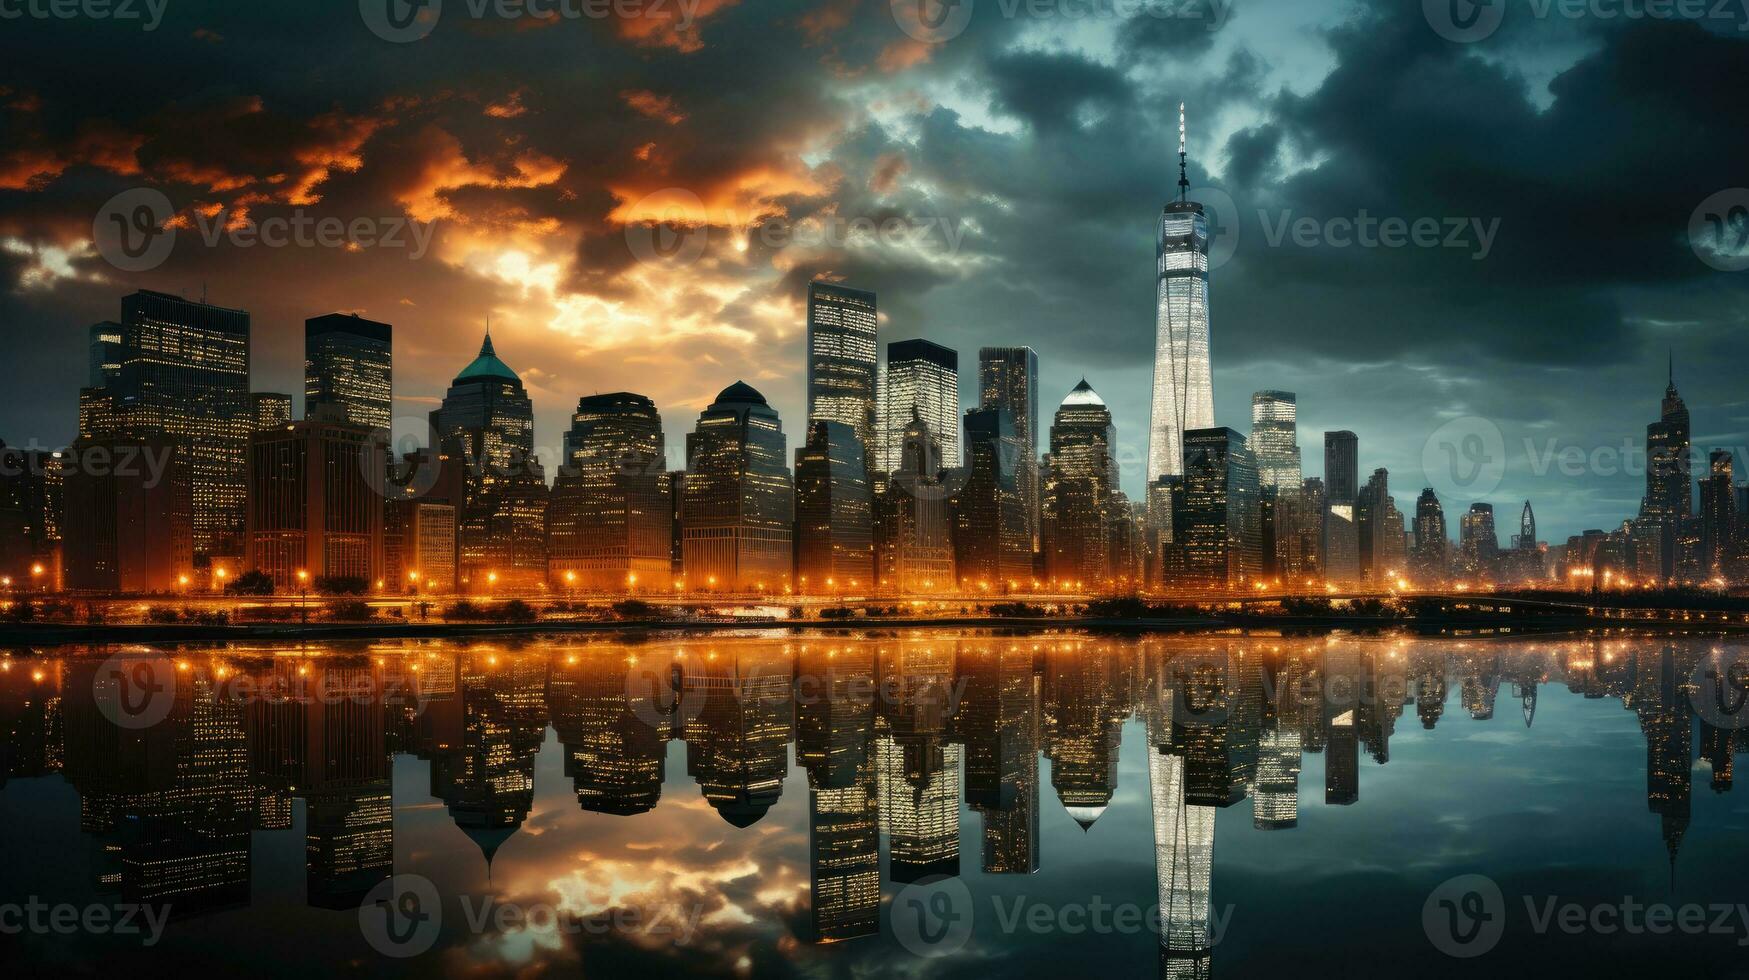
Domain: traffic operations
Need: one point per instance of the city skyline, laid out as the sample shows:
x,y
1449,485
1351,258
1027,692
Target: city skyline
x,y
1275,87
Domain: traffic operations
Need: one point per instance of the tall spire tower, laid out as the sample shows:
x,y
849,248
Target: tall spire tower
x,y
1183,384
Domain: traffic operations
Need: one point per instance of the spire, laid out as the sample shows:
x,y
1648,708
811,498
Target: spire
x,y
486,346
1183,180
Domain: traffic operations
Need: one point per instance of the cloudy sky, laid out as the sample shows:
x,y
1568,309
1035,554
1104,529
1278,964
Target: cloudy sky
x,y
993,170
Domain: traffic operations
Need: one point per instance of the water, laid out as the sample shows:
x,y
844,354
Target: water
x,y
928,803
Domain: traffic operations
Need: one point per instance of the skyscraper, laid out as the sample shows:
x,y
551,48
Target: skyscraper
x,y
922,382
1274,439
1668,463
842,356
130,528
271,410
348,362
106,354
608,515
487,421
1478,543
1183,385
739,501
1082,477
312,506
1341,491
1008,379
1222,530
1718,516
1429,560
992,546
914,542
185,376
834,511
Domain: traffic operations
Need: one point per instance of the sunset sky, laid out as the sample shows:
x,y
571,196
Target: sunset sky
x,y
1014,171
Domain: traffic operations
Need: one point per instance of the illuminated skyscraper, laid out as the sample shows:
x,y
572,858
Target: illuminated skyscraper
x,y
1274,439
1668,498
1184,857
1183,384
834,511
739,502
842,358
913,537
608,518
1082,477
1718,516
1223,535
922,382
312,506
1341,493
106,354
1008,379
271,410
1478,542
348,362
1430,561
185,376
487,421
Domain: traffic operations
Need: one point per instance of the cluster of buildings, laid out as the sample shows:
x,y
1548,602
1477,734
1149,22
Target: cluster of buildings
x,y
183,476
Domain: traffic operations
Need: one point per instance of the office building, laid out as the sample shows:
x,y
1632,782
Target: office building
x,y
106,353
1183,380
270,410
992,543
922,381
133,508
914,542
739,502
314,506
1275,439
1008,379
608,519
834,512
1082,476
348,363
843,359
1222,528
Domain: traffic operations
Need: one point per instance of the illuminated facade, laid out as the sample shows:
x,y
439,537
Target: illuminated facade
x,y
185,376
270,409
420,546
991,533
1008,380
1082,476
348,362
843,359
739,503
914,539
608,519
486,421
922,382
1274,438
834,511
1223,543
1183,385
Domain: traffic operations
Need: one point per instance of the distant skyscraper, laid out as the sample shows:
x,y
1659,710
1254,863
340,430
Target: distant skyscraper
x,y
1341,467
1183,385
842,358
1274,438
1430,561
348,362
914,543
1379,529
834,511
1525,539
185,376
1718,517
608,518
487,420
1341,521
1478,541
1668,497
1008,379
312,507
992,546
1222,531
127,532
271,410
923,382
739,502
1083,476
106,354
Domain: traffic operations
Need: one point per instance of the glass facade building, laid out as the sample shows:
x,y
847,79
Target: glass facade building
x,y
834,512
739,502
1274,438
1008,379
842,358
1183,386
608,519
923,382
347,362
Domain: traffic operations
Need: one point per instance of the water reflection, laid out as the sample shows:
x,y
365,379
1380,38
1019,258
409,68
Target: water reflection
x,y
904,748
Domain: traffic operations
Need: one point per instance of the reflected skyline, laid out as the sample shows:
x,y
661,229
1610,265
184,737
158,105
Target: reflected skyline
x,y
835,773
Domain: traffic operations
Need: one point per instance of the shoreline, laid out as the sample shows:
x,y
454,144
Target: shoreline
x,y
69,634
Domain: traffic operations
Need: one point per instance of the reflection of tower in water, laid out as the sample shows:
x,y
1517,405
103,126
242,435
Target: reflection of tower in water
x,y
737,741
482,745
834,721
917,768
1184,850
998,722
1084,714
613,751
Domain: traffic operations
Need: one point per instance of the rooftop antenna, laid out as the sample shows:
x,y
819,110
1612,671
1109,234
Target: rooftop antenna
x,y
1183,180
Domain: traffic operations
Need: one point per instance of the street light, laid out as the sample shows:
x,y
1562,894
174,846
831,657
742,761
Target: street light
x,y
221,574
36,573
303,597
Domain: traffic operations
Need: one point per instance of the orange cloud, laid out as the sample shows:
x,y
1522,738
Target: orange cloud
x,y
668,26
655,106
